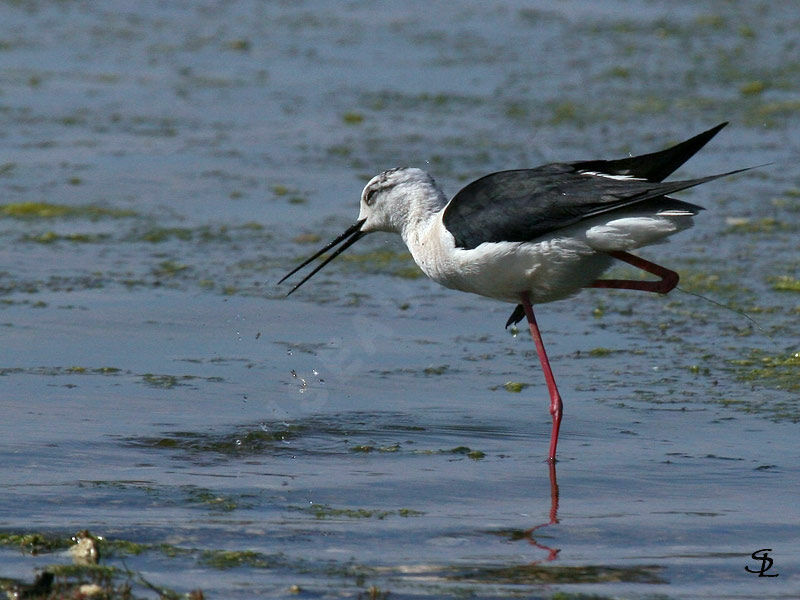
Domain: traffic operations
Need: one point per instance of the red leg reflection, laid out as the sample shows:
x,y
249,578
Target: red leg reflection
x,y
552,553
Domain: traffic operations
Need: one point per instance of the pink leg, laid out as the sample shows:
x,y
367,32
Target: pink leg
x,y
556,406
669,279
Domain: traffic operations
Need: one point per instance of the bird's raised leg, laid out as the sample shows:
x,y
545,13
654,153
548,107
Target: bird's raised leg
x,y
669,279
556,406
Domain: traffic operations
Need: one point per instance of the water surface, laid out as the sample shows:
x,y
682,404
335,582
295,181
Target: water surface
x,y
162,166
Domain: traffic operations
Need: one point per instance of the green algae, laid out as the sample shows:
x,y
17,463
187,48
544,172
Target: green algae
x,y
113,582
386,261
212,500
45,210
83,580
600,351
161,381
702,282
256,441
752,88
517,111
325,511
231,559
459,450
35,543
266,439
566,111
619,72
166,382
763,225
169,268
785,283
410,272
161,234
59,371
292,196
30,210
515,387
773,114
239,45
776,371
95,573
107,370
364,448
698,370
438,102
352,118
50,237
119,548
307,238
202,234
540,574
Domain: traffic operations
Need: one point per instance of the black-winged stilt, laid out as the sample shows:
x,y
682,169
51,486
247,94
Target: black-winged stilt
x,y
530,236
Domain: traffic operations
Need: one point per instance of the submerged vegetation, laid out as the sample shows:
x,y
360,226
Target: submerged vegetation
x,y
43,210
779,371
785,283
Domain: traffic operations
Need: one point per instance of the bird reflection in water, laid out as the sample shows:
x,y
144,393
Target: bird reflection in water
x,y
528,534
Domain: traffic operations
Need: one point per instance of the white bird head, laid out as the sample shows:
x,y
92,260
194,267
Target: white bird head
x,y
396,198
392,201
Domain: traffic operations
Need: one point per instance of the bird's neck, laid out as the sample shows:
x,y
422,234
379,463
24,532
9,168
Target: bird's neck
x,y
419,215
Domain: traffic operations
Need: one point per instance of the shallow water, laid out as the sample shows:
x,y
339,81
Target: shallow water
x,y
163,165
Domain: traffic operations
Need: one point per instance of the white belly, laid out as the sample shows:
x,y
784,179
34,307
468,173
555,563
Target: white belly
x,y
548,270
551,268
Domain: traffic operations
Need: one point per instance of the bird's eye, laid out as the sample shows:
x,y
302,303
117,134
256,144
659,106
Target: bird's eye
x,y
369,197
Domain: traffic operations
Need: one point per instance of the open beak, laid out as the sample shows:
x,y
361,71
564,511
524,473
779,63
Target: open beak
x,y
349,237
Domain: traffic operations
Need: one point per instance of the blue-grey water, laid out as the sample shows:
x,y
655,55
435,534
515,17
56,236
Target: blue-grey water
x,y
162,165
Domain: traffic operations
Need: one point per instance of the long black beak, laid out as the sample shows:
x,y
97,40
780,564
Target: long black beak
x,y
349,237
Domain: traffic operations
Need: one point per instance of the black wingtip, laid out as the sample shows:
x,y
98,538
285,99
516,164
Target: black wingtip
x,y
654,166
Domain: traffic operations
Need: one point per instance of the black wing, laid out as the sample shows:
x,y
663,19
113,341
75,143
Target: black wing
x,y
520,206
524,204
656,166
